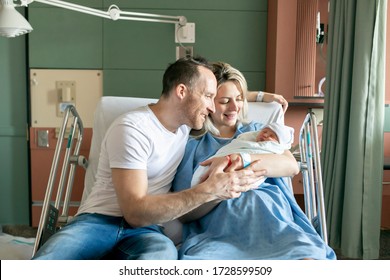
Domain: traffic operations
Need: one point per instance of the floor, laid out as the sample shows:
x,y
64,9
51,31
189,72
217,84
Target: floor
x,y
16,242
385,245
384,252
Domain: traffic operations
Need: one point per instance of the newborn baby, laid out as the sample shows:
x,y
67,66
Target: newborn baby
x,y
272,138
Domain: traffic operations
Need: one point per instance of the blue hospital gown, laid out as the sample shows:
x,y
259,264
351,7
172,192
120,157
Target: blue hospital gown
x,y
266,223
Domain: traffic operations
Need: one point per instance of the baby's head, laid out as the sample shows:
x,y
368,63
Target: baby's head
x,y
276,132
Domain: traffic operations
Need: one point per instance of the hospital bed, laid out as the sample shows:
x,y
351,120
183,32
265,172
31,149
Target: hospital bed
x,y
111,107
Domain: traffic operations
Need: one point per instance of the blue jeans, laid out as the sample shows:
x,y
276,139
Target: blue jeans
x,y
96,236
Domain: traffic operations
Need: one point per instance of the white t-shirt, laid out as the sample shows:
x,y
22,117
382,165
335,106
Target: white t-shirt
x,y
135,140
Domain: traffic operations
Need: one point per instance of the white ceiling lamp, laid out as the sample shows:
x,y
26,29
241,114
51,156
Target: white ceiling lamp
x,y
13,24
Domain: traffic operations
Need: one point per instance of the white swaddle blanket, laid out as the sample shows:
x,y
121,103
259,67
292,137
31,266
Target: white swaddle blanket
x,y
244,143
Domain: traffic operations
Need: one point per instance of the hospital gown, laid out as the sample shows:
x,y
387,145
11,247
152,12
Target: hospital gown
x,y
266,223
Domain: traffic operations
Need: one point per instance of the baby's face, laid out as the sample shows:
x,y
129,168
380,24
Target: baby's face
x,y
267,134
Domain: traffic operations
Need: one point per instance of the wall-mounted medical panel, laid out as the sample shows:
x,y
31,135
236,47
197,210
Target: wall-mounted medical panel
x,y
52,89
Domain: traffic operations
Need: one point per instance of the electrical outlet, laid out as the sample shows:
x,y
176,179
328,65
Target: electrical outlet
x,y
66,91
184,51
43,138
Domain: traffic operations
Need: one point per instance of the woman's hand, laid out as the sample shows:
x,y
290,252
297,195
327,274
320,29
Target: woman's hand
x,y
270,97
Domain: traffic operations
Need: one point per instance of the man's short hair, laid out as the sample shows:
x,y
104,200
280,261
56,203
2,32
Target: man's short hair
x,y
183,71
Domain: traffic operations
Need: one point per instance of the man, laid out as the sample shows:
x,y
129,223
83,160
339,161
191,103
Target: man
x,y
139,155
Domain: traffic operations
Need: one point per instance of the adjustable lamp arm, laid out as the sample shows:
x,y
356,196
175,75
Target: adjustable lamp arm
x,y
113,12
13,24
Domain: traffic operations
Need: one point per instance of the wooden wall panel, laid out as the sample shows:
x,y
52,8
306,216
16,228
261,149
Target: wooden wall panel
x,y
305,63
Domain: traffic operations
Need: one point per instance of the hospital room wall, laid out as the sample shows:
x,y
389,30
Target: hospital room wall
x,y
14,182
132,56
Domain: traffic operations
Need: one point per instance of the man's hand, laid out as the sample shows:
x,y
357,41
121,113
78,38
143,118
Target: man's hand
x,y
225,181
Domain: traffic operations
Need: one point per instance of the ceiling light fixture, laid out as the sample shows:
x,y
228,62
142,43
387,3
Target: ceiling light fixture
x,y
13,24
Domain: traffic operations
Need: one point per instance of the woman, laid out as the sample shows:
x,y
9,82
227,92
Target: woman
x,y
266,223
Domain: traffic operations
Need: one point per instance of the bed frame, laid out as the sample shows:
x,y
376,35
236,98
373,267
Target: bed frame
x,y
109,108
50,219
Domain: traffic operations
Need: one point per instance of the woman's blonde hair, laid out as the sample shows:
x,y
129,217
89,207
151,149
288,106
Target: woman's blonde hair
x,y
224,72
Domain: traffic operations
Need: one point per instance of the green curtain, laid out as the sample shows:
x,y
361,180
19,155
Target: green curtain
x,y
352,147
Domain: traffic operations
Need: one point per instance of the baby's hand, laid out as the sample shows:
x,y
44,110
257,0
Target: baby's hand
x,y
234,157
235,163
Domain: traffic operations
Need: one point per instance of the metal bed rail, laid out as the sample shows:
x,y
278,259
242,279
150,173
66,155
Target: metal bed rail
x,y
312,174
50,220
